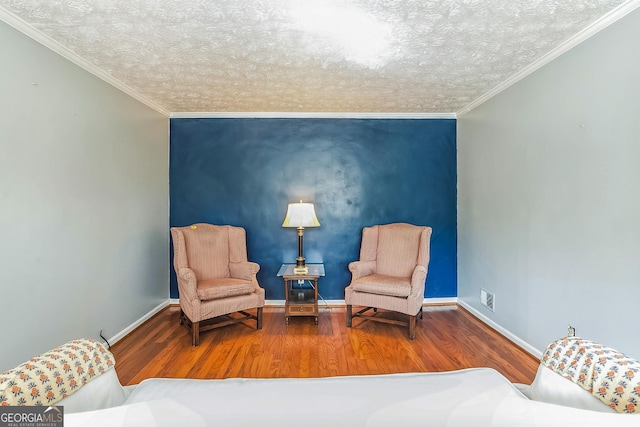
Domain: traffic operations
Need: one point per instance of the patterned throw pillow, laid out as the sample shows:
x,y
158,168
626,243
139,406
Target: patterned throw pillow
x,y
52,376
607,374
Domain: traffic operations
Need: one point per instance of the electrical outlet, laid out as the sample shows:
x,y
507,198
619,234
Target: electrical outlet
x,y
571,331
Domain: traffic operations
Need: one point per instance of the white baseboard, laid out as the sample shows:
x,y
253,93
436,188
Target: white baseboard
x,y
338,302
321,303
512,337
117,337
437,301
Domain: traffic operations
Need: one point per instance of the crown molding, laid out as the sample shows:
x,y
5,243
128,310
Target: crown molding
x,y
308,115
22,26
608,19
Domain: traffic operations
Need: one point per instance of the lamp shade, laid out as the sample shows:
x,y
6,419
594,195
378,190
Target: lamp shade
x,y
301,215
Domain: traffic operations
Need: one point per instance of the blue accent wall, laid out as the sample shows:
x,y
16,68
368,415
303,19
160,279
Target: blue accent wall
x,y
357,172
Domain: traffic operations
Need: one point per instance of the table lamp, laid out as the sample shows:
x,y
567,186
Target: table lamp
x,y
300,215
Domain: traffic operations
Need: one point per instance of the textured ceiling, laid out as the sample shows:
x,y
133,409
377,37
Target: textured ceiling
x,y
386,56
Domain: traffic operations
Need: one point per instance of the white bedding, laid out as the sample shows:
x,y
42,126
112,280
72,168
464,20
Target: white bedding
x,y
472,397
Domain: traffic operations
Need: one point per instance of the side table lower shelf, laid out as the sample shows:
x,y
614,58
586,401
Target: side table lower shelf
x,y
301,302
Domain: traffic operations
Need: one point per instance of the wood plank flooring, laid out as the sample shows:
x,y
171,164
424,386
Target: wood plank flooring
x,y
447,338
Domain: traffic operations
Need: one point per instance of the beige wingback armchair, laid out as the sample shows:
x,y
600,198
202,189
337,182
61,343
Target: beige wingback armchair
x,y
214,277
390,274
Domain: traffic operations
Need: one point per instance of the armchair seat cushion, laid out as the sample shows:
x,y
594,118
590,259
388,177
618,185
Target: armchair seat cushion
x,y
224,287
380,284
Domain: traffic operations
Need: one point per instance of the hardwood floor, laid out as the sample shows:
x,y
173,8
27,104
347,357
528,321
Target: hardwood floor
x,y
447,338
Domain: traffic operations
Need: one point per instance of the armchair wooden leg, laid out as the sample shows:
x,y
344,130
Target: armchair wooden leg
x,y
420,313
412,327
259,318
349,316
195,334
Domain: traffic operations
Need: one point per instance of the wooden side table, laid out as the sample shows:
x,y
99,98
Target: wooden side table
x,y
301,291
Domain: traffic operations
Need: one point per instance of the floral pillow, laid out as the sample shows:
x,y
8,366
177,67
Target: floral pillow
x,y
607,374
52,376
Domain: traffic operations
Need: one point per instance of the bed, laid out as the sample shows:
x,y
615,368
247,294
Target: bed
x,y
578,383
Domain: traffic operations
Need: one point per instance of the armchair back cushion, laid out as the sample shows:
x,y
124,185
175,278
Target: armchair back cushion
x,y
398,249
209,249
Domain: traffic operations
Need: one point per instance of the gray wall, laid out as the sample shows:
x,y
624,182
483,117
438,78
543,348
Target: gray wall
x,y
83,203
548,197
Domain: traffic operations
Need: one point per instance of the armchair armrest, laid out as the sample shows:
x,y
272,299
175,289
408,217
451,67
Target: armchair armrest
x,y
243,270
361,268
187,283
418,279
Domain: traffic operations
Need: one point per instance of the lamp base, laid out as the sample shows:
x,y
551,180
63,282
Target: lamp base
x,y
301,266
300,269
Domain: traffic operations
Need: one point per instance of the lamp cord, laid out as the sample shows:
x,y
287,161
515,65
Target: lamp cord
x,y
105,340
320,295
